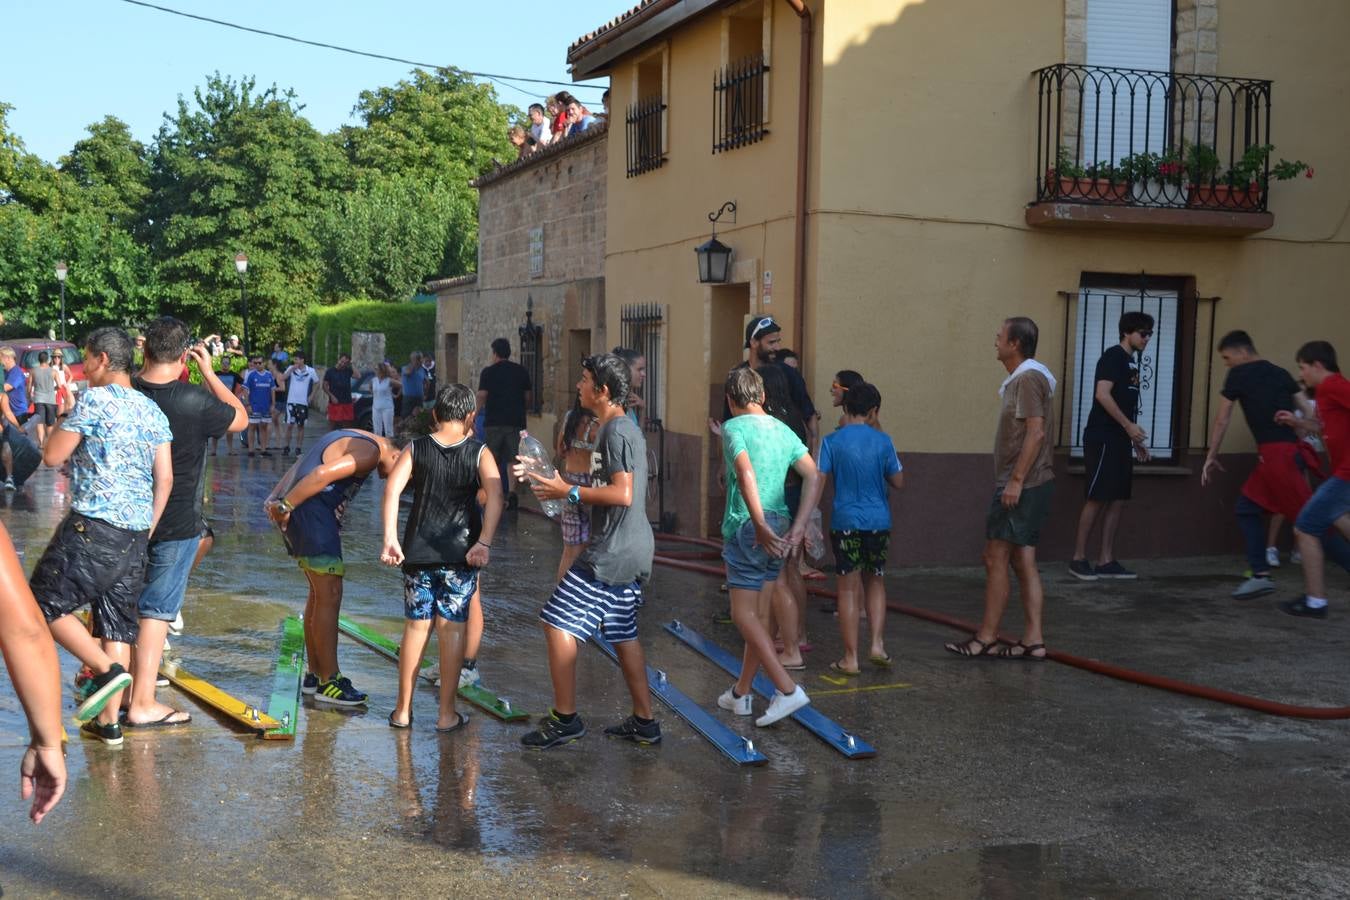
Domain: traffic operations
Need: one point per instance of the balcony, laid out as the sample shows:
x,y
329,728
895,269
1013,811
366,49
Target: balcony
x,y
739,115
1156,151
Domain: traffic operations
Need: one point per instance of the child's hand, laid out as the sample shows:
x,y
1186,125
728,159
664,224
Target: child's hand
x,y
479,555
392,555
767,538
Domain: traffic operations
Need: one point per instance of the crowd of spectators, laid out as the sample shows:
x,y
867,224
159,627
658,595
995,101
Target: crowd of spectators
x,y
561,115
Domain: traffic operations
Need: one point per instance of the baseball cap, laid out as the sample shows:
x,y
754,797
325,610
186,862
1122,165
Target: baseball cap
x,y
757,328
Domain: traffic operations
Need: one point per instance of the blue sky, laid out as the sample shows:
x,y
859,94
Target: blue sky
x,y
63,71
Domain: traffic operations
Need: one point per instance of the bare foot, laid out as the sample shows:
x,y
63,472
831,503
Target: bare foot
x,y
157,714
788,662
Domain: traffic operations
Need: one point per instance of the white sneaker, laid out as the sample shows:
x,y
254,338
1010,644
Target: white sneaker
x,y
1254,587
741,706
469,677
783,705
1296,558
176,626
1272,557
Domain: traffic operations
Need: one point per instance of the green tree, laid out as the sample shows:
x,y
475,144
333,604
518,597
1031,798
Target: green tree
x,y
113,170
437,127
241,170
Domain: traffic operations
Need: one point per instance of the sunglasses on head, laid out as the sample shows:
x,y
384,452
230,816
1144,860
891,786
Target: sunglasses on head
x,y
762,325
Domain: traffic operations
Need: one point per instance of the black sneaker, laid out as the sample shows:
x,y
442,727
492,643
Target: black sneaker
x,y
310,684
285,451
110,734
1114,569
1082,570
630,729
552,731
1299,607
339,692
101,691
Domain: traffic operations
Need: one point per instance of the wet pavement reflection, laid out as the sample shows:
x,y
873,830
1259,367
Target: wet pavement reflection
x,y
992,780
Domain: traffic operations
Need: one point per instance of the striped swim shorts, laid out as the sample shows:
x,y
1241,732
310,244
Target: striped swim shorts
x,y
584,607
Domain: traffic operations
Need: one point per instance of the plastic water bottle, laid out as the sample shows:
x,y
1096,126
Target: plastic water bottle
x,y
539,461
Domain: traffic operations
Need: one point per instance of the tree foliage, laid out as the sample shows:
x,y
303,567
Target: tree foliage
x,y
371,210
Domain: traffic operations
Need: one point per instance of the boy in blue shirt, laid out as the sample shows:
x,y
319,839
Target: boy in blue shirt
x,y
259,385
863,462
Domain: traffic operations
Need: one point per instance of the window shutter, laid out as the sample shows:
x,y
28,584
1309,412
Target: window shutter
x,y
1125,34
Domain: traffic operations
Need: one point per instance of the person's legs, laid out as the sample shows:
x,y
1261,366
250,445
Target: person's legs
x,y
416,633
634,665
1249,515
750,614
1273,531
321,631
311,649
1033,594
874,589
473,633
1110,524
1328,508
562,668
450,642
997,586
120,653
74,637
850,593
168,565
784,607
1086,519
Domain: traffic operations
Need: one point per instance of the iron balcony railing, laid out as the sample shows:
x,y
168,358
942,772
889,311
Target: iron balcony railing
x,y
1154,139
645,140
739,115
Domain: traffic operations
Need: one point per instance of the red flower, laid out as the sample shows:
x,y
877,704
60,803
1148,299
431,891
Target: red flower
x,y
1308,173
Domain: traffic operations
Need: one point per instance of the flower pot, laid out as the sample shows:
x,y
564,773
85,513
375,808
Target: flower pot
x,y
1223,196
1159,193
1092,190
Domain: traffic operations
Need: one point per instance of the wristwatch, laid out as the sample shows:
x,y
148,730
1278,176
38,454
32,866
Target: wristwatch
x,y
574,496
284,506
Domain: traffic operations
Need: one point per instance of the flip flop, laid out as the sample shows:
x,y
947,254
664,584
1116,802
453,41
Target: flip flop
x,y
800,667
881,662
463,720
393,724
840,670
161,723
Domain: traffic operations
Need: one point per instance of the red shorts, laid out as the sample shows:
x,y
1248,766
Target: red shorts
x,y
341,412
1277,484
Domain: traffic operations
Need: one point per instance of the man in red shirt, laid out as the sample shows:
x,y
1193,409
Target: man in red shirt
x,y
1330,503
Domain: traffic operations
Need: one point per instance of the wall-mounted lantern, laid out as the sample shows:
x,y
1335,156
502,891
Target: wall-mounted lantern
x,y
714,257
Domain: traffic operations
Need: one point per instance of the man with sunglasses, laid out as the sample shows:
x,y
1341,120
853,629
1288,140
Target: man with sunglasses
x,y
1112,440
764,338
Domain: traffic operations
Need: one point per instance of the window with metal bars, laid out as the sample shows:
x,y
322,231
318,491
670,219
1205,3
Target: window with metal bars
x,y
739,114
1097,311
640,326
532,357
645,142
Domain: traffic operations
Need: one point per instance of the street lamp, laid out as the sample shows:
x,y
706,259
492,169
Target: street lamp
x,y
714,257
61,277
241,266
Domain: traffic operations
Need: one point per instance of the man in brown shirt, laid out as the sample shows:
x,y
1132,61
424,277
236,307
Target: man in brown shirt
x,y
1023,486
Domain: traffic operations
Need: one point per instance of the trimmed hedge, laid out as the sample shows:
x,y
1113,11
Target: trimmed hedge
x,y
406,326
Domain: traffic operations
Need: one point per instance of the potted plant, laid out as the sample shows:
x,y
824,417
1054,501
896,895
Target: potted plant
x,y
1154,178
1100,182
1244,184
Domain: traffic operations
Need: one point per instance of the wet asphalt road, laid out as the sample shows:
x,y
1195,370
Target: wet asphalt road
x,y
993,779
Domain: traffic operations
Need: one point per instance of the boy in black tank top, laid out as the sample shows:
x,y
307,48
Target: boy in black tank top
x,y
445,542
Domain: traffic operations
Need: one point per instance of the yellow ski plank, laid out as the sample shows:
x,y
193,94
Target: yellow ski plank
x,y
231,707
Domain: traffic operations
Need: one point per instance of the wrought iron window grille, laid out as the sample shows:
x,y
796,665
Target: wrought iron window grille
x,y
644,135
739,115
532,356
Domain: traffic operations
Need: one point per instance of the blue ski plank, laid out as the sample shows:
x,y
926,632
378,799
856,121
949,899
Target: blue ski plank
x,y
741,750
828,730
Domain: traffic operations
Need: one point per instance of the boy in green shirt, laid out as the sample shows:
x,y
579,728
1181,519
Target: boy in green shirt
x,y
757,534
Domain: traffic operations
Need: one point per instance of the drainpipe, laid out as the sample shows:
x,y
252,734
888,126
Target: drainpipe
x,y
803,149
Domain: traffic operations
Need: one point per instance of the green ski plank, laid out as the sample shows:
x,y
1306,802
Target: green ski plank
x,y
476,694
284,705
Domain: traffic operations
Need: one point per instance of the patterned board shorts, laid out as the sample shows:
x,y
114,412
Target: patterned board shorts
x,y
445,592
576,518
860,550
583,607
297,413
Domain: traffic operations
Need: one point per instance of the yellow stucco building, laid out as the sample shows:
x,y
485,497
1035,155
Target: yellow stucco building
x,y
908,174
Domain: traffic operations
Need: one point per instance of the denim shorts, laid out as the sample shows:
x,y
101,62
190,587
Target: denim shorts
x,y
167,567
1328,503
750,566
445,592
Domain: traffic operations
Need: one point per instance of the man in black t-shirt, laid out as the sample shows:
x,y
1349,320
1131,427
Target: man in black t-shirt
x,y
763,340
337,384
504,392
1277,485
1111,442
195,413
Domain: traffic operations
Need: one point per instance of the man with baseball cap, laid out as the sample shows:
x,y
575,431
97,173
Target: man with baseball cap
x,y
763,338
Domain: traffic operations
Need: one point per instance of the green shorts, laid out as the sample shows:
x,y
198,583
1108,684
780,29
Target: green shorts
x,y
322,565
1020,525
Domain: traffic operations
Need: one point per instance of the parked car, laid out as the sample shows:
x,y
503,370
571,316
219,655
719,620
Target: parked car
x,y
26,351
